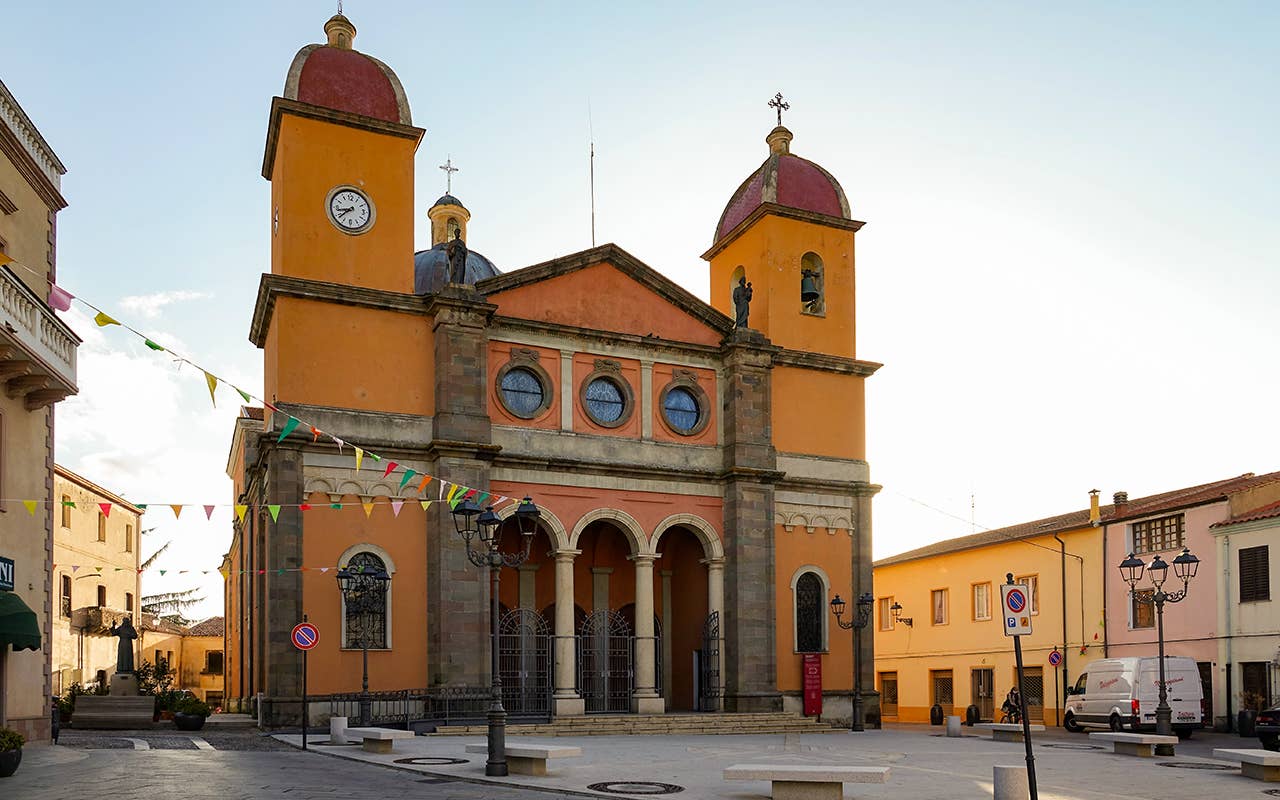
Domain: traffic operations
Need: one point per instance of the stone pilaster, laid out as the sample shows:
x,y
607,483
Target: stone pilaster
x,y
862,583
282,599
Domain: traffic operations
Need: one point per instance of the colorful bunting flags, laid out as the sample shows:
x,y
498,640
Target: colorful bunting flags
x,y
105,508
212,381
177,510
359,458
396,505
275,512
31,506
60,298
208,512
368,508
155,347
391,466
408,474
103,320
288,428
240,511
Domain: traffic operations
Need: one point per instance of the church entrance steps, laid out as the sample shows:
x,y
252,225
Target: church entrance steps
x,y
222,721
658,725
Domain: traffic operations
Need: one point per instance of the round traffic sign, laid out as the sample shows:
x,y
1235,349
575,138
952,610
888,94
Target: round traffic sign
x,y
1055,658
1016,600
304,636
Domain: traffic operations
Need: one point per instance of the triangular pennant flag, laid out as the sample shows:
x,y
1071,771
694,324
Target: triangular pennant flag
x,y
212,380
154,346
139,570
142,506
262,572
77,567
368,508
208,512
425,504
396,505
177,510
206,572
5,259
270,406
117,569
69,503
453,491
31,506
375,456
408,474
425,480
99,569
443,485
288,428
391,466
244,395
240,511
60,298
106,509
470,494
163,571
338,442
104,320
304,506
324,569
359,458
336,506
224,572
315,433
275,512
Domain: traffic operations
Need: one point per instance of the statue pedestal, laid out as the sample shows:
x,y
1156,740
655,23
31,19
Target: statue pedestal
x,y
124,684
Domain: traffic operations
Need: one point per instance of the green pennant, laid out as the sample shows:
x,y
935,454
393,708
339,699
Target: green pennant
x,y
408,473
153,345
375,456
288,428
275,512
336,506
280,571
142,506
163,571
244,394
69,503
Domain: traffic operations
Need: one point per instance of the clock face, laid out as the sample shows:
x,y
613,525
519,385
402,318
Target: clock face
x,y
350,209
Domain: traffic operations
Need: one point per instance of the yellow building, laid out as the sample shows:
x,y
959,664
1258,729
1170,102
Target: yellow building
x,y
193,654
947,644
96,581
37,369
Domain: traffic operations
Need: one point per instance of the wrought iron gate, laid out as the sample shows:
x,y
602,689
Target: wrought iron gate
x,y
524,663
605,676
709,680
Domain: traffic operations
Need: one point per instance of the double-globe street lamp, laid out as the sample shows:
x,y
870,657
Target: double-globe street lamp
x,y
1184,567
858,620
472,524
364,592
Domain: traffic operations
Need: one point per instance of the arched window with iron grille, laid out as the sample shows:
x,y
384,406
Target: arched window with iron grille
x,y
810,606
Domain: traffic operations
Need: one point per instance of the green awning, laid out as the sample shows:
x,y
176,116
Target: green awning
x,y
18,624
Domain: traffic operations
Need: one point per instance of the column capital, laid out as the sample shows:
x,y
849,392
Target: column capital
x,y
645,559
713,563
566,555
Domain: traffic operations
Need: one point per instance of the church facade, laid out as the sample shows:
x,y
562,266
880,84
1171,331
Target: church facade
x,y
702,484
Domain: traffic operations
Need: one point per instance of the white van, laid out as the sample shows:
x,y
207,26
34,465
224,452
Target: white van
x,y
1122,694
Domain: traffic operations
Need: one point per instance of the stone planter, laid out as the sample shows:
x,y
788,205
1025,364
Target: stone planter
x,y
9,761
188,722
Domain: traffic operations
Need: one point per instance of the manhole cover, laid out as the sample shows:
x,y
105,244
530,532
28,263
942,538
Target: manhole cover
x,y
1272,792
636,787
1197,765
431,761
1075,746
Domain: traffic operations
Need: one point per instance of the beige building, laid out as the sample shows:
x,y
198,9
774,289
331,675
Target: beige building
x,y
37,369
96,556
1248,609
194,654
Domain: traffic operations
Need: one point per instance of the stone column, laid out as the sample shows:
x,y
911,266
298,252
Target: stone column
x,y
715,603
645,699
861,548
667,646
567,701
282,600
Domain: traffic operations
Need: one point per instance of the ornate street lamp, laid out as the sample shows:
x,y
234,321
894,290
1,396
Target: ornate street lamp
x,y
896,610
364,592
1184,568
472,524
858,621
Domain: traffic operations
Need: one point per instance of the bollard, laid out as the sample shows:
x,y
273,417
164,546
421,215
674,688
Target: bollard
x,y
953,727
1011,783
337,729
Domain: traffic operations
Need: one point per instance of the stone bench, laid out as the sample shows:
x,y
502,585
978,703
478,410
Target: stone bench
x,y
378,740
1007,731
804,781
1261,765
1135,744
529,759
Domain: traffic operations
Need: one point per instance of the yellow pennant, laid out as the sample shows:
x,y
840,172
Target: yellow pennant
x,y
177,510
368,509
359,458
425,504
212,380
5,260
223,572
240,509
103,320
31,506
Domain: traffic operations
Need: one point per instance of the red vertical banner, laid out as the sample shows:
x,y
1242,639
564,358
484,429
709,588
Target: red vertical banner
x,y
812,671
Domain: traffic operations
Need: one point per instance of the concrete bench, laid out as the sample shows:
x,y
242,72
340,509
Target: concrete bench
x,y
529,759
804,781
1261,765
378,740
1007,731
1135,744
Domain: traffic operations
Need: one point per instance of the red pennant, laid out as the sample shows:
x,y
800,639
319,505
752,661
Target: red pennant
x,y
106,509
304,507
391,466
315,433
208,512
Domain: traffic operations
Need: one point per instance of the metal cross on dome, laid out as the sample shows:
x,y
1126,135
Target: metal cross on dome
x,y
449,169
781,105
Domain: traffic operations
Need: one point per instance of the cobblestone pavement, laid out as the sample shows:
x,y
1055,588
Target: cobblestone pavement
x,y
90,769
171,739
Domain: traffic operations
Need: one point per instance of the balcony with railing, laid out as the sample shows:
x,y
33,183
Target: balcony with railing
x,y
37,350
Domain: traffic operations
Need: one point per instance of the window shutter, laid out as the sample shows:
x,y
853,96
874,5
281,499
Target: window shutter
x,y
1255,574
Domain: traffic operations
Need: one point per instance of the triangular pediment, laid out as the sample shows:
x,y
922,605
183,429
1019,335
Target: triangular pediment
x,y
606,289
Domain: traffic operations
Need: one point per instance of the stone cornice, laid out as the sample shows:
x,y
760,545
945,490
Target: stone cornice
x,y
503,324
271,287
20,156
281,105
25,132
825,363
849,488
449,448
764,209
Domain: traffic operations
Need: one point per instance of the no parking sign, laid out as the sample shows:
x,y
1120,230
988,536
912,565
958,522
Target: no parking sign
x,y
1013,602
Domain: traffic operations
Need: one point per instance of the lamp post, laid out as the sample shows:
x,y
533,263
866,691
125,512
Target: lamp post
x,y
1184,567
364,591
857,621
472,523
896,610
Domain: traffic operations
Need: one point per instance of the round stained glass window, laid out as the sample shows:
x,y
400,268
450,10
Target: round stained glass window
x,y
681,409
522,392
605,401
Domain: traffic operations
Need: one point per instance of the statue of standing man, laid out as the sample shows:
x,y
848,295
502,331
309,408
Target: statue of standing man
x,y
741,303
124,650
456,252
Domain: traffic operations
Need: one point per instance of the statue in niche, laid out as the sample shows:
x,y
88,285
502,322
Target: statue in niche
x,y
456,251
124,650
741,303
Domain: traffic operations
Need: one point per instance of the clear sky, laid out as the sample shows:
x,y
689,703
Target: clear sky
x,y
1069,266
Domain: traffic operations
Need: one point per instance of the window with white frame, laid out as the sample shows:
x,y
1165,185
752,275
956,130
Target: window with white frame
x,y
982,601
886,613
939,603
1032,582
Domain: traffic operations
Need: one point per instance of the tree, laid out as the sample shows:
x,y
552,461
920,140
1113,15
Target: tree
x,y
168,606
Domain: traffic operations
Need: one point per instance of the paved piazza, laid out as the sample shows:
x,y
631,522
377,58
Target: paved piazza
x,y
247,765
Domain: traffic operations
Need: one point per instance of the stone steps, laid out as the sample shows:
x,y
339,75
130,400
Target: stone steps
x,y
229,721
107,712
658,725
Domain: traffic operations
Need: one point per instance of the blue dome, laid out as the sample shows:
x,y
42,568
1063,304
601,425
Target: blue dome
x,y
448,200
431,269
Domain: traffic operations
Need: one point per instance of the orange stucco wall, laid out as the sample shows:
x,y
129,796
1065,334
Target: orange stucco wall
x,y
312,157
583,365
662,375
549,360
384,359
832,552
838,430
602,298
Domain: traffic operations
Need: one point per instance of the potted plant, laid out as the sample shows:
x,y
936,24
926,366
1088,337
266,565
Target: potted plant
x,y
10,751
189,714
1250,704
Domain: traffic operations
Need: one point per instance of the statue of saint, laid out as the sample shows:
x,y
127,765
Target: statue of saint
x,y
741,303
124,650
456,251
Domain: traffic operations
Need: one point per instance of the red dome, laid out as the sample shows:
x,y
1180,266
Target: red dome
x,y
786,180
337,77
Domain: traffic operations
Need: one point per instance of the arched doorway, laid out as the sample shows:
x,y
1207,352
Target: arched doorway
x,y
525,636
682,606
604,583
604,663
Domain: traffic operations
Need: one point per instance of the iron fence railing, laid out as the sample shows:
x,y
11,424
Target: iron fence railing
x,y
405,708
